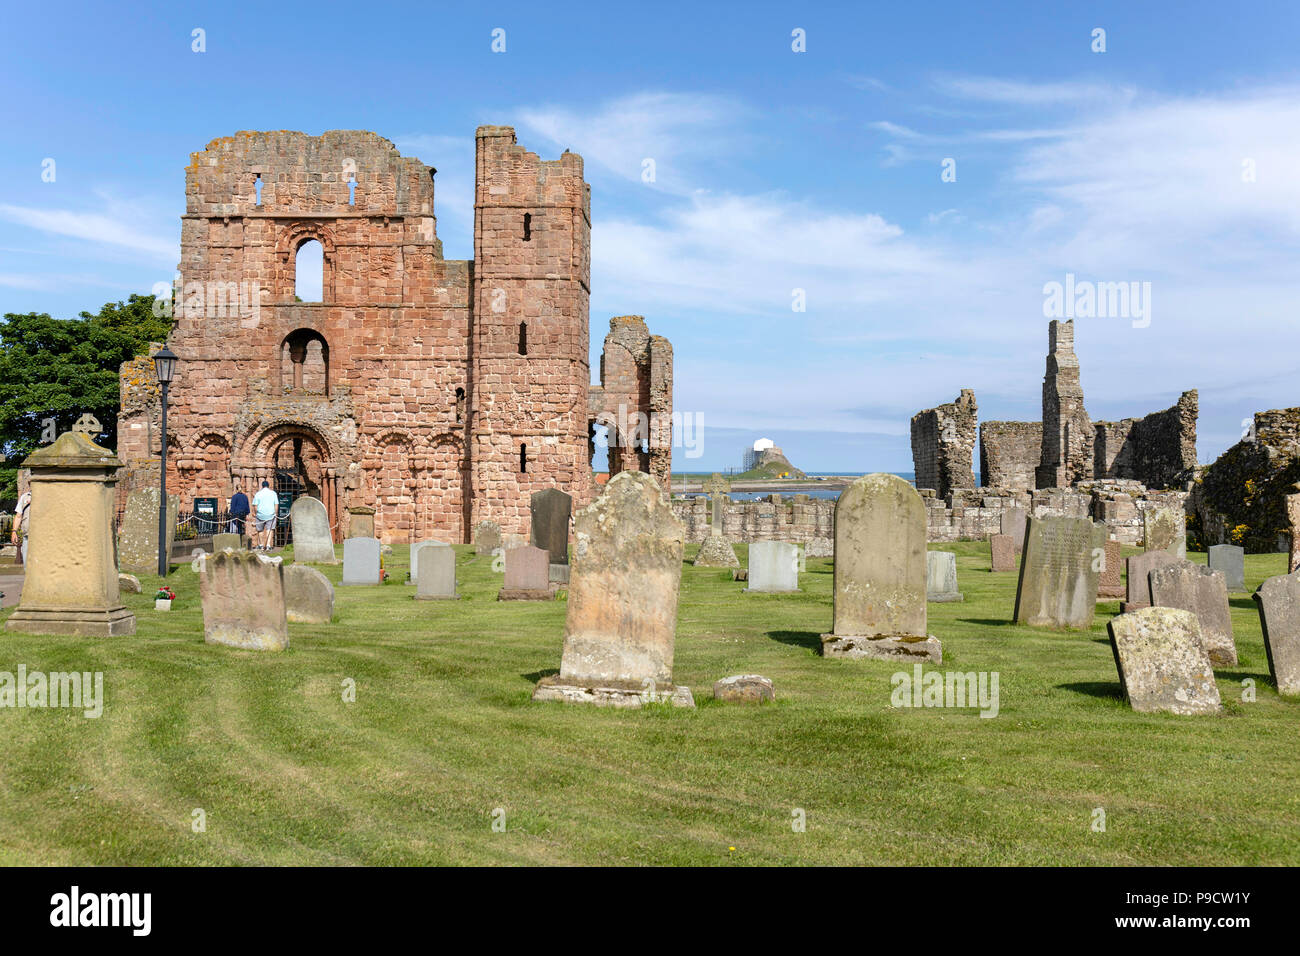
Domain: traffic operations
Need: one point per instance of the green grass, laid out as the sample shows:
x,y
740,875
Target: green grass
x,y
443,731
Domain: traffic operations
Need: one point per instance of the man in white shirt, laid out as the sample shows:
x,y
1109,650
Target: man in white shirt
x,y
265,505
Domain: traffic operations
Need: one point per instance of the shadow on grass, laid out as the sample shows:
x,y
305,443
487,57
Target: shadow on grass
x,y
1245,603
988,621
1106,690
811,640
535,676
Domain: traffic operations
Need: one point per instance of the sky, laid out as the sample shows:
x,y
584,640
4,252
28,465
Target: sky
x,y
833,239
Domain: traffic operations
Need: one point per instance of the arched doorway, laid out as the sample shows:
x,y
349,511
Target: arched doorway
x,y
295,460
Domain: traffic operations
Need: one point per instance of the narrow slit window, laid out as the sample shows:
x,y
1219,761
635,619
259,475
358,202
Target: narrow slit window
x,y
523,459
352,191
257,188
460,406
528,227
523,338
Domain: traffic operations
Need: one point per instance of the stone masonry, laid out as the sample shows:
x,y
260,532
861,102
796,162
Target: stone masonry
x,y
1067,433
943,444
1009,454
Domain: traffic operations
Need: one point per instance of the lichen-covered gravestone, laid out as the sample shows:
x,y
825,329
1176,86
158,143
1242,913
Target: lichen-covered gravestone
x,y
1162,662
137,538
1203,592
1138,583
527,575
773,567
941,577
1231,560
1165,529
1002,552
1059,571
308,595
436,579
550,510
415,555
243,601
880,573
313,542
621,619
1293,519
1278,600
1110,584
487,537
361,561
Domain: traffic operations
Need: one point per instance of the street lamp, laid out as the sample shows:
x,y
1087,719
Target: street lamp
x,y
164,366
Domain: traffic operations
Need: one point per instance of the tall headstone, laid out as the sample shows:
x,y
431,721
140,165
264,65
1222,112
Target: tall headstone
x,y
1002,552
1231,560
880,573
527,575
773,567
550,510
621,618
1278,600
308,595
1110,584
1013,524
1165,529
243,601
1293,519
941,577
361,561
717,488
487,537
1059,572
137,538
313,543
71,584
1162,662
1138,578
361,522
715,551
415,555
436,579
1203,592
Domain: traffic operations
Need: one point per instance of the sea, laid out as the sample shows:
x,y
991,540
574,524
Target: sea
x,y
814,492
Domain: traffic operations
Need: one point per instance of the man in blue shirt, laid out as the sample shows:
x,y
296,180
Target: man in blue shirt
x,y
265,505
238,511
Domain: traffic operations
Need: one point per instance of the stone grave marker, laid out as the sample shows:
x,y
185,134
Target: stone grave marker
x,y
137,538
820,548
621,619
1278,601
941,577
437,575
1164,529
527,575
224,539
1110,585
773,567
1059,572
1231,560
487,537
1162,662
308,595
1203,592
1002,548
361,561
1138,580
1293,518
361,522
1013,524
313,543
744,689
880,573
416,548
550,510
243,601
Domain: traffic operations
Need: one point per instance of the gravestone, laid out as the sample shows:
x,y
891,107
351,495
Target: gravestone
x,y
308,595
361,522
1278,601
361,561
820,548
1231,560
437,575
716,552
941,577
128,583
1138,578
621,619
415,555
1059,572
880,574
550,510
1162,662
137,538
744,689
1203,592
243,601
487,537
1293,519
1002,548
1013,524
1110,584
717,488
313,543
527,575
1164,529
223,540
773,567
71,583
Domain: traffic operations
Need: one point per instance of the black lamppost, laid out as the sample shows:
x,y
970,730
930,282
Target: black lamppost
x,y
164,366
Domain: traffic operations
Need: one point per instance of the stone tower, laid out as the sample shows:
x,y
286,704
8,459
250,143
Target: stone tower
x,y
1067,453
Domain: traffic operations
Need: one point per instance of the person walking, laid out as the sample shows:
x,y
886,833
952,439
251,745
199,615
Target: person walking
x,y
22,517
265,505
238,510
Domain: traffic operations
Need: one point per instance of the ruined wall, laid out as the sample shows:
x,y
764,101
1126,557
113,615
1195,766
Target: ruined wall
x,y
1241,498
635,399
943,444
1067,453
1158,450
1009,454
796,518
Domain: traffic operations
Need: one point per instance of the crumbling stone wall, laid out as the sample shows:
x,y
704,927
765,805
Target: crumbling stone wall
x,y
1158,450
797,518
943,444
1009,454
1067,454
635,400
1241,498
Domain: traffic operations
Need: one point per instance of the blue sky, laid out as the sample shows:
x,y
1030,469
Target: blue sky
x,y
775,171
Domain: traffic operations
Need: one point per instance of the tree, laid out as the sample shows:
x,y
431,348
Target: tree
x,y
61,368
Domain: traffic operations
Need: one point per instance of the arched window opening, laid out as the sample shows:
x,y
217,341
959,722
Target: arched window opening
x,y
523,459
309,272
460,406
523,338
528,227
305,362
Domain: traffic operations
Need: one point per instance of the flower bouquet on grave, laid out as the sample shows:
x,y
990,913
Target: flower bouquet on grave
x,y
162,599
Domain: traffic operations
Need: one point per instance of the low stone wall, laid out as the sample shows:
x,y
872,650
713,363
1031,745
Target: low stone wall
x,y
795,518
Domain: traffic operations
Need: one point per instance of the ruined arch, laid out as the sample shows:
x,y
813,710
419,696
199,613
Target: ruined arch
x,y
294,455
304,363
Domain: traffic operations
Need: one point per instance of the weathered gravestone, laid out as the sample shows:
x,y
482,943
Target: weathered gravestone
x,y
550,510
487,537
1059,571
1278,600
941,577
1203,592
1231,560
820,548
361,561
1162,662
1013,525
880,573
716,552
313,543
243,601
1002,549
71,584
137,538
1110,583
437,575
527,575
308,595
361,522
622,613
415,555
1138,578
1293,519
225,540
773,567
1165,529
744,689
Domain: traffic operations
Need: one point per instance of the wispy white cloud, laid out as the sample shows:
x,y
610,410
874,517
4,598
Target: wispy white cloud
x,y
1027,93
103,228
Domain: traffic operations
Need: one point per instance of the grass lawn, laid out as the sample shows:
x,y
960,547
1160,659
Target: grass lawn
x,y
443,732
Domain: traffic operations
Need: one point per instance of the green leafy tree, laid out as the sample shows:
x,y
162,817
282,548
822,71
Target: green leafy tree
x,y
60,368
